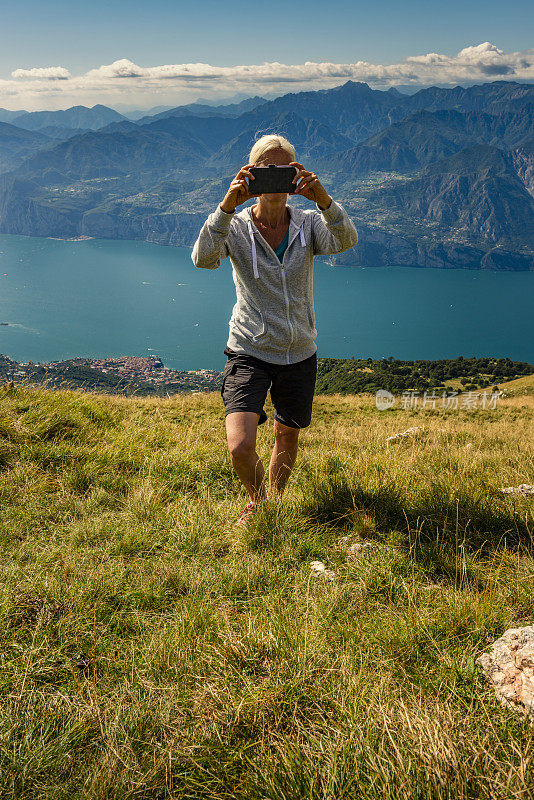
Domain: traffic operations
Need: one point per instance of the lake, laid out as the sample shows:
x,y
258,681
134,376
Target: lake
x,y
99,298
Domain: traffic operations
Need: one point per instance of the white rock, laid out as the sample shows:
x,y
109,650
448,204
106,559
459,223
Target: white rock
x,y
524,489
319,569
407,434
363,549
358,549
510,667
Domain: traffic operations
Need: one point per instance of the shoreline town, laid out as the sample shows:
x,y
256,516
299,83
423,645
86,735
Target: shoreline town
x,y
126,375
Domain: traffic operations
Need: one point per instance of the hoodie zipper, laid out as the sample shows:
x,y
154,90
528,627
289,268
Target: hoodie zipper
x,y
284,284
303,244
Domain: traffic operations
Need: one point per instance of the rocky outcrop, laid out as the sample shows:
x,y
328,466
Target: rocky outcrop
x,y
358,549
381,248
524,489
319,570
509,666
23,212
121,222
523,159
409,433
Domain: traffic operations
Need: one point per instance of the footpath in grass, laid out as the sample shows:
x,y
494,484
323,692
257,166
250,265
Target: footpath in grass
x,y
151,651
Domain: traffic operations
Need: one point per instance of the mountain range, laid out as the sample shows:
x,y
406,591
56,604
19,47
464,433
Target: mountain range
x,y
439,178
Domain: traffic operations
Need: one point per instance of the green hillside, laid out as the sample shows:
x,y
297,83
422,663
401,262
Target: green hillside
x,y
354,375
150,651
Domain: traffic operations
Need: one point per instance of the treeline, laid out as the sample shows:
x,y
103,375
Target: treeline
x,y
354,375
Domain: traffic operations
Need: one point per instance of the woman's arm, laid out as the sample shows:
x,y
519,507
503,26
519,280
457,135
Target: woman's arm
x,y
211,247
333,230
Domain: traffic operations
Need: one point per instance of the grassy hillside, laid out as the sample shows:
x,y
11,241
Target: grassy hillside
x,y
149,651
519,387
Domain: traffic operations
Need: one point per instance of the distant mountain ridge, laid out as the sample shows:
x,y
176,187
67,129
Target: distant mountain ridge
x,y
426,136
75,117
443,177
16,144
9,116
202,110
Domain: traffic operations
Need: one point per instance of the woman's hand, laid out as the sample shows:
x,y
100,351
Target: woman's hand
x,y
238,192
310,186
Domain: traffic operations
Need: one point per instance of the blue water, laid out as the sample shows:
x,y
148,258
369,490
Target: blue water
x,y
108,298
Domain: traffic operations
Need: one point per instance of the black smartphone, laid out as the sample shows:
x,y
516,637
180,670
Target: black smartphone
x,y
272,179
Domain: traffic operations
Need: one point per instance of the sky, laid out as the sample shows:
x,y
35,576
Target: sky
x,y
128,53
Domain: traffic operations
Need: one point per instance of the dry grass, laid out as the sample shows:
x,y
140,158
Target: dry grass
x,y
149,651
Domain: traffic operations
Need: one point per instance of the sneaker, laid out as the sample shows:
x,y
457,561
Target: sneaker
x,y
248,511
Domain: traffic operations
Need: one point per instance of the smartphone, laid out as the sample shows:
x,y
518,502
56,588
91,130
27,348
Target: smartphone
x,y
272,179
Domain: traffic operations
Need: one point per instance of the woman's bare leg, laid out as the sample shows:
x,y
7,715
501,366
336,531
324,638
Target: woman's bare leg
x,y
284,454
241,430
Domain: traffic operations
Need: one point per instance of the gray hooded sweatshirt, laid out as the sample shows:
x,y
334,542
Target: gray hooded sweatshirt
x,y
273,318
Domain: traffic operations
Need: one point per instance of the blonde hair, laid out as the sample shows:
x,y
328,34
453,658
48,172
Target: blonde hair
x,y
270,141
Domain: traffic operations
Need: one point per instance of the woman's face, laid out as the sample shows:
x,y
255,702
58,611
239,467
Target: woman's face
x,y
280,158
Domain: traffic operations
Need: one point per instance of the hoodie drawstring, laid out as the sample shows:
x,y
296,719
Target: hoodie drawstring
x,y
254,254
253,245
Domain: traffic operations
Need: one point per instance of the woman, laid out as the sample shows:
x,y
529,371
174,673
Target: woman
x,y
271,342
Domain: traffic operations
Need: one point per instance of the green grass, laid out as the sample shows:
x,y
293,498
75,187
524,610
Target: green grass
x,y
150,651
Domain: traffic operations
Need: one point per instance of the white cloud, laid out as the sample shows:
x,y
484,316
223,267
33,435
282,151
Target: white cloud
x,y
119,69
124,81
48,73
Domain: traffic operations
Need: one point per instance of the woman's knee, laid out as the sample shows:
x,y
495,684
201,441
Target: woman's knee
x,y
286,436
241,432
242,448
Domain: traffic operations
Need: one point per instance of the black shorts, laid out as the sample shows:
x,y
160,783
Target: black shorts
x,y
246,381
